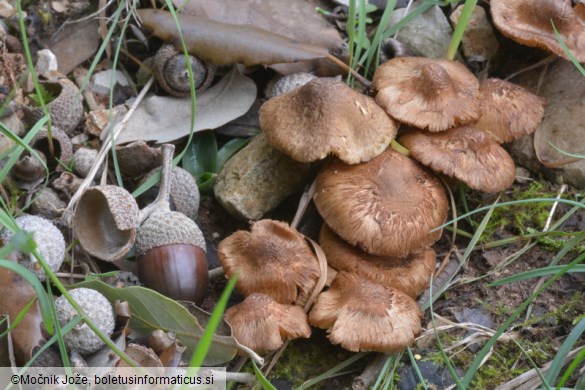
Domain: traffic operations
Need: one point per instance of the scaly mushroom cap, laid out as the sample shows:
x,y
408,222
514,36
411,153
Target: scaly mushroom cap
x,y
530,24
325,117
362,315
386,207
411,274
262,324
507,111
465,153
431,94
272,259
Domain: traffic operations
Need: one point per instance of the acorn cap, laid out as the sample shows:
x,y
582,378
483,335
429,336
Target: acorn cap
x,y
165,227
465,153
63,150
521,21
105,221
272,259
261,324
386,207
99,310
431,94
137,158
66,109
508,111
47,204
184,193
365,316
49,240
324,117
83,161
411,274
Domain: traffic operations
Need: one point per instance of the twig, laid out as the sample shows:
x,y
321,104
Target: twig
x,y
303,204
216,273
373,369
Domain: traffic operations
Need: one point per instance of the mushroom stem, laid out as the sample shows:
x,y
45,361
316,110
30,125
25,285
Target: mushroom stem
x,y
399,148
216,272
162,200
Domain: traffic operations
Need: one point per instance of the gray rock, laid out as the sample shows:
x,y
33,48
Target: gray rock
x,y
563,125
428,34
479,42
257,178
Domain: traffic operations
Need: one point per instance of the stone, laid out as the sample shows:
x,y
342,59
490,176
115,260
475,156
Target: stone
x,y
563,124
428,35
257,178
479,42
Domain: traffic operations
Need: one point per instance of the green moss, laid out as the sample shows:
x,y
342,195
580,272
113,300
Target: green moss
x,y
305,359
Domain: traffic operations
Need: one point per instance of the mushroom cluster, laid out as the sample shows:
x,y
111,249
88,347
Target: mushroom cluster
x,y
458,121
382,209
277,272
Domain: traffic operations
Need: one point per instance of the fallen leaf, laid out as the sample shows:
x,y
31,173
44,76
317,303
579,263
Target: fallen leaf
x,y
152,311
294,19
165,119
223,44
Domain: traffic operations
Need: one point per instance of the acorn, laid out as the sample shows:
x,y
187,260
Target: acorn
x,y
49,240
83,161
170,247
29,169
97,308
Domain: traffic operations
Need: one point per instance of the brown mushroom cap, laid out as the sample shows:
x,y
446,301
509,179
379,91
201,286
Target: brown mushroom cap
x,y
387,206
325,117
261,324
431,94
507,111
530,24
365,316
465,153
411,274
272,259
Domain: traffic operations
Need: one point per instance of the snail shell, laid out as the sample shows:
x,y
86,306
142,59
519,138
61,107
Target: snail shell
x,y
170,70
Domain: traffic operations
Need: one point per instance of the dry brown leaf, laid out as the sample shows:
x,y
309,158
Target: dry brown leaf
x,y
294,19
222,44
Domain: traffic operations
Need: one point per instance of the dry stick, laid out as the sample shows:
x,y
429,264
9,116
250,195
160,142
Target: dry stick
x,y
365,82
530,379
106,146
371,372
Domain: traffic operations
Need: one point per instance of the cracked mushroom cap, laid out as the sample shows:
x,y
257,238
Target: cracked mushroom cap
x,y
362,315
531,25
410,274
262,324
431,94
387,206
507,111
272,259
465,153
324,117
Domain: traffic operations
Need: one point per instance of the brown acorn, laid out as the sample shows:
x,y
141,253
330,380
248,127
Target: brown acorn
x,y
170,247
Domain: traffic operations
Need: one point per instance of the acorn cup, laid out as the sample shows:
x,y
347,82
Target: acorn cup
x,y
170,247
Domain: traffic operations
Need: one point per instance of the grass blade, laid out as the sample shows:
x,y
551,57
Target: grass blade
x,y
535,273
559,360
460,28
261,378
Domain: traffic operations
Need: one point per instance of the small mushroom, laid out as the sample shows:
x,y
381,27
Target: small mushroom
x,y
508,111
362,315
411,274
431,94
325,117
465,153
261,324
272,259
105,221
531,25
387,206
